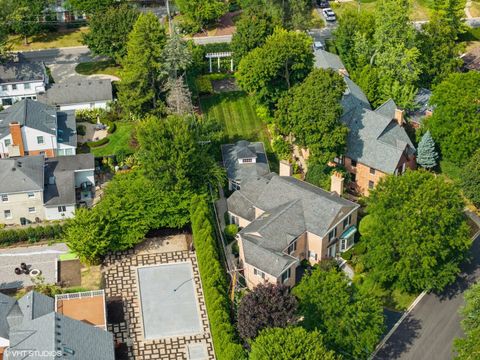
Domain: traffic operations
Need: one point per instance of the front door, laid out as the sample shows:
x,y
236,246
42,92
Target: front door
x,y
332,251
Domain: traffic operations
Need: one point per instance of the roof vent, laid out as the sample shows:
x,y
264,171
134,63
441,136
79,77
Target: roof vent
x,y
68,350
51,180
13,169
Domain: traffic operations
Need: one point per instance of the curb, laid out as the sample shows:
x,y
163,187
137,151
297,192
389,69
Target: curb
x,y
47,49
397,324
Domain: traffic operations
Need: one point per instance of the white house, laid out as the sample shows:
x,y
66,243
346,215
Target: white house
x,y
79,95
21,80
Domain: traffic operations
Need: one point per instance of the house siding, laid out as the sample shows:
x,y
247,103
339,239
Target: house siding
x,y
363,176
18,204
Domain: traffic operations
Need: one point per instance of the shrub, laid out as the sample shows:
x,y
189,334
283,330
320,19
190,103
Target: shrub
x,y
30,234
204,85
89,115
347,255
111,127
214,282
235,249
231,231
94,144
282,148
81,130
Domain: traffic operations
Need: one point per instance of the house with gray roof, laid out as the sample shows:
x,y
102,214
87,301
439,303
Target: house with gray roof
x,y
377,143
283,221
20,80
243,161
79,95
33,188
32,329
32,128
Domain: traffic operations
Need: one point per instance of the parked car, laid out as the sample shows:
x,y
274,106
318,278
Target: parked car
x,y
329,14
318,45
323,4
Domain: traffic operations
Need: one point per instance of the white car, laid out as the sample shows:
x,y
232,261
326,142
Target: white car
x,y
329,14
318,45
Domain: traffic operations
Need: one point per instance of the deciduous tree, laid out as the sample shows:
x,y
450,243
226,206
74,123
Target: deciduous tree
x,y
199,13
92,6
268,71
109,31
468,347
290,343
471,179
265,307
25,19
416,236
142,81
311,112
351,321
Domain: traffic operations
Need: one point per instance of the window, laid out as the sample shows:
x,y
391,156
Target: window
x,y
332,235
4,87
7,102
312,255
343,244
353,177
353,162
31,195
39,139
248,160
371,184
258,273
26,86
372,171
7,214
31,209
62,208
4,197
292,247
286,275
7,142
338,160
14,86
347,221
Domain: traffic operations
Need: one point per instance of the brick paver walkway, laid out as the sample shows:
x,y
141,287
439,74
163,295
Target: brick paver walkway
x,y
121,280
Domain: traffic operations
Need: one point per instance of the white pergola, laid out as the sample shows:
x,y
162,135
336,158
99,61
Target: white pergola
x,y
218,56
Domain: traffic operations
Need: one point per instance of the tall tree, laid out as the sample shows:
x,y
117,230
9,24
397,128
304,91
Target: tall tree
x,y
290,343
470,179
438,41
200,13
315,124
140,88
177,55
253,28
351,321
266,306
427,155
268,71
109,31
174,153
422,217
455,124
91,6
25,19
468,347
179,100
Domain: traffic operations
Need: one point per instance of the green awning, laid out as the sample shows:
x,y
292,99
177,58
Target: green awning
x,y
349,232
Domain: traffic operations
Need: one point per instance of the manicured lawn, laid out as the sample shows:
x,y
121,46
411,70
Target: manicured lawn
x,y
451,170
105,67
120,139
63,38
235,111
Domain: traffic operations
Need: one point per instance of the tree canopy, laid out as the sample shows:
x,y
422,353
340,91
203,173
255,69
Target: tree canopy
x,y
455,121
141,85
417,235
470,179
92,6
427,155
109,31
468,347
290,343
268,71
199,13
24,17
266,306
311,112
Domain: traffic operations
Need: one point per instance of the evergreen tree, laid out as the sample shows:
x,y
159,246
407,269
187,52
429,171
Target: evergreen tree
x,y
427,155
178,99
177,54
142,75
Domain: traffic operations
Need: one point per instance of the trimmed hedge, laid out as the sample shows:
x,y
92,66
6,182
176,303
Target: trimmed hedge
x,y
94,144
30,234
111,127
215,285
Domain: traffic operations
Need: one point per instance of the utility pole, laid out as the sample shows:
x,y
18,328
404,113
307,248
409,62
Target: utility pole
x,y
169,18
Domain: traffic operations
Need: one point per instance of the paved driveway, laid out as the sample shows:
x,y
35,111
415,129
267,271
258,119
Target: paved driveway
x,y
427,333
66,72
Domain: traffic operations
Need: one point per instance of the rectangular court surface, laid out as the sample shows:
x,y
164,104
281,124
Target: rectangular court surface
x,y
168,301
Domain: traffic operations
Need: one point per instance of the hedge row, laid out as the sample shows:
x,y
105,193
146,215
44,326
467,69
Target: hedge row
x,y
30,234
93,144
215,285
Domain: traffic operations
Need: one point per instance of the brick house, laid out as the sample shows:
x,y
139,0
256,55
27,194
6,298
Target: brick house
x,y
377,143
284,221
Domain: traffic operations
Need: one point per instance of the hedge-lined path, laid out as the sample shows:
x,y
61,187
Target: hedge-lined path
x,y
120,271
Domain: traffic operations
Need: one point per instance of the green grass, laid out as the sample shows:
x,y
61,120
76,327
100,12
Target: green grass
x,y
119,140
49,40
104,67
451,170
68,256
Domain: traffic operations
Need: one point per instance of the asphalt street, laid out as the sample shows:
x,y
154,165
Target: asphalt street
x,y
427,333
60,55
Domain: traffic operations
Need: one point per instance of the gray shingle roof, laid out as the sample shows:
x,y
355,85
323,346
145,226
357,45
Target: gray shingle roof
x,y
6,304
21,174
327,60
241,150
41,329
387,109
13,72
63,168
29,113
66,131
75,92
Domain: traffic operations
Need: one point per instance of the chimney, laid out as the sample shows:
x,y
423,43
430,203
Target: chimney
x,y
343,72
17,140
337,180
399,116
285,168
